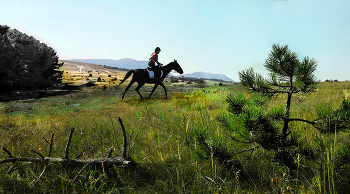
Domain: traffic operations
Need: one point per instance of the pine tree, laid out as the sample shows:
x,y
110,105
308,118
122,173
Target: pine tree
x,y
253,122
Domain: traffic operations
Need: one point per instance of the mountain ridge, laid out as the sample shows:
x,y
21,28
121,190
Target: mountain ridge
x,y
128,63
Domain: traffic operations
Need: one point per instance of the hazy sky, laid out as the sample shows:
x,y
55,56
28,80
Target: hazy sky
x,y
203,35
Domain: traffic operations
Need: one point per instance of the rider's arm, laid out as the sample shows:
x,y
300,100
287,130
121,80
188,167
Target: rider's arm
x,y
159,63
156,60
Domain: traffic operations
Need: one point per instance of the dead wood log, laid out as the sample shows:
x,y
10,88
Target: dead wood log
x,y
72,163
69,162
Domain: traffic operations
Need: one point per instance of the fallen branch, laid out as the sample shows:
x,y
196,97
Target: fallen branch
x,y
69,162
72,163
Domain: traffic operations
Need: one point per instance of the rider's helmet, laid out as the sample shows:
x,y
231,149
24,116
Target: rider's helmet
x,y
157,49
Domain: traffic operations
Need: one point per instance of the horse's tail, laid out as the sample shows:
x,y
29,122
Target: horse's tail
x,y
128,74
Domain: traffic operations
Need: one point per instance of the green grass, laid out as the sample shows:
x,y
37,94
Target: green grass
x,y
163,137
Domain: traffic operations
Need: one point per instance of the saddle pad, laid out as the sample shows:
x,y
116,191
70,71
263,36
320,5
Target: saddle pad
x,y
151,74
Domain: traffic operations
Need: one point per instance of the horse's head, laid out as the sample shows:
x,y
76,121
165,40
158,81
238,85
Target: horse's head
x,y
177,67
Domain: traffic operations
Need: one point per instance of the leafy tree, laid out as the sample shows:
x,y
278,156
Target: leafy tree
x,y
25,62
253,122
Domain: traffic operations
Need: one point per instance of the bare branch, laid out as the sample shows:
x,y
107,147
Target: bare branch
x,y
81,170
8,152
46,140
51,144
42,173
42,157
110,152
68,143
203,141
251,149
124,137
78,156
306,121
251,153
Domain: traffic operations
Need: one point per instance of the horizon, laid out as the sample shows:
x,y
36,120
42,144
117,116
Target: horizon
x,y
174,73
210,36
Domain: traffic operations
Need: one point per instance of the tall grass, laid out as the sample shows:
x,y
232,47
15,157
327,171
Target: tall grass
x,y
164,143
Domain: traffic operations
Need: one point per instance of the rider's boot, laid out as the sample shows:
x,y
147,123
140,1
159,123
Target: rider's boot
x,y
157,75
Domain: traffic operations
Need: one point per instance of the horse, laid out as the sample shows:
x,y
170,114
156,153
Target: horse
x,y
141,76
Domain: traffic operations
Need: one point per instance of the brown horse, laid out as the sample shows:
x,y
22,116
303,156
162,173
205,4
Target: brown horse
x,y
141,76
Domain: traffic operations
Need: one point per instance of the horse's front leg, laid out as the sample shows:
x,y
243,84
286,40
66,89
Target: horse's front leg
x,y
154,88
166,95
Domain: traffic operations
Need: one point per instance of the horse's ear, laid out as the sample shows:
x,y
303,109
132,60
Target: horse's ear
x,y
175,61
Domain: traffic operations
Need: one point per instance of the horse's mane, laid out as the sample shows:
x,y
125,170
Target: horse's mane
x,y
169,63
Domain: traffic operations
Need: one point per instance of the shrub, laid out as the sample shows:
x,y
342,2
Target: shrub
x,y
174,80
90,83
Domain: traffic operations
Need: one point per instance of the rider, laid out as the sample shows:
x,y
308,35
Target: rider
x,y
152,63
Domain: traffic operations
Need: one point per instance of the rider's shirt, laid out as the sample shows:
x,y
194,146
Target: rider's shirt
x,y
152,59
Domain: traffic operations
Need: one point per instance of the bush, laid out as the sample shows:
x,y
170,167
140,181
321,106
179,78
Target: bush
x,y
174,80
90,83
201,82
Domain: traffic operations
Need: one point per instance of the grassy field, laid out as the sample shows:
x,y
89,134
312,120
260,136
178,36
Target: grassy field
x,y
163,142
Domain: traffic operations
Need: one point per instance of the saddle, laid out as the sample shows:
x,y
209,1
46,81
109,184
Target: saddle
x,y
151,73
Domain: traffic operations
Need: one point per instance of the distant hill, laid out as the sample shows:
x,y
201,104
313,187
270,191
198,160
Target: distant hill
x,y
128,63
207,75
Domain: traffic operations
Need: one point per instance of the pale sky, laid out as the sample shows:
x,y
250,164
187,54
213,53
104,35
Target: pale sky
x,y
203,35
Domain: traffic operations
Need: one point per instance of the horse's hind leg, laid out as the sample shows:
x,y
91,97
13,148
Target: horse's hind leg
x,y
154,88
166,95
138,87
127,88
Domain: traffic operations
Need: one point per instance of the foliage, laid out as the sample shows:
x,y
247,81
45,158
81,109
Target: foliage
x,y
26,62
174,80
